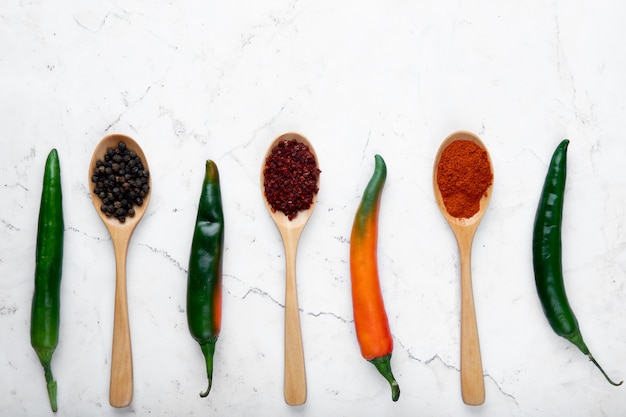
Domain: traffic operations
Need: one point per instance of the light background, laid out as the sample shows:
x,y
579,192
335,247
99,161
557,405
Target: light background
x,y
192,81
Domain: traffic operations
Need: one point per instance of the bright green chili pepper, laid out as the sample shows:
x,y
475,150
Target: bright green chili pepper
x,y
204,283
45,317
547,256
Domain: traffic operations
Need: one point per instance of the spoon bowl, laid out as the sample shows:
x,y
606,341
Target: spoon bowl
x,y
484,201
121,385
111,141
290,231
472,379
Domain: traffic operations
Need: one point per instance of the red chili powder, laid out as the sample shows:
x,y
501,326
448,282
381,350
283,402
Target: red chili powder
x,y
463,176
290,177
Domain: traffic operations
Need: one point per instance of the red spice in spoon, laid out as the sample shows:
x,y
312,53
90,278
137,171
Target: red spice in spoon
x,y
290,177
463,176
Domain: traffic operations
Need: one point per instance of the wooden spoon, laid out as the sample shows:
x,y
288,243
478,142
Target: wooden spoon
x,y
121,388
472,380
290,231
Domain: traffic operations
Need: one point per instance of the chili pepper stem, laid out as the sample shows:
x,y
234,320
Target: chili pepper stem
x,y
45,356
577,340
51,384
591,358
383,364
208,350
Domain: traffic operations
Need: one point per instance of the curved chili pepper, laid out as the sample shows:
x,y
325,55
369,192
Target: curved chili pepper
x,y
45,313
370,317
204,283
547,256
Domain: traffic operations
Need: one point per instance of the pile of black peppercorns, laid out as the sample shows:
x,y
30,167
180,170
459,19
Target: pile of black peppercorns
x,y
120,181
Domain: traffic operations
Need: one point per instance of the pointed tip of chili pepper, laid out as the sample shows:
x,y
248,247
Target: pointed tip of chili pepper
x,y
380,163
211,170
383,364
592,359
53,158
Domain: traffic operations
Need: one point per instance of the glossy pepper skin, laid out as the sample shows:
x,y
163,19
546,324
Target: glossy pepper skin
x,y
204,281
370,317
45,311
547,253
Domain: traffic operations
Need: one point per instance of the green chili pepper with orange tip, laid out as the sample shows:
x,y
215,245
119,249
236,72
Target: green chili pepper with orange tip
x,y
45,310
204,281
370,317
547,249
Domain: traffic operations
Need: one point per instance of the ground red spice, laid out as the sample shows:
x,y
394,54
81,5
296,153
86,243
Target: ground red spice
x,y
463,176
290,177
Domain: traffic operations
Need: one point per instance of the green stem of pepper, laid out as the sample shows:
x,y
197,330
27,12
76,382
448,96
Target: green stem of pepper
x,y
208,350
383,364
591,358
45,357
51,385
577,340
547,263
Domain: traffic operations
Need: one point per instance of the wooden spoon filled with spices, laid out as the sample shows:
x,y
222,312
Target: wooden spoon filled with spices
x,y
289,183
119,183
463,181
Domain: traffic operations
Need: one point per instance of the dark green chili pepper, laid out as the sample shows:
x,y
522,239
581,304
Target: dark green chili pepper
x,y
204,284
44,325
547,256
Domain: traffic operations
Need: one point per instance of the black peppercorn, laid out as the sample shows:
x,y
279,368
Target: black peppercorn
x,y
120,181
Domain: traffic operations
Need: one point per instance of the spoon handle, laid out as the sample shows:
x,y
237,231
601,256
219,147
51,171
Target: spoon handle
x,y
472,380
295,374
121,388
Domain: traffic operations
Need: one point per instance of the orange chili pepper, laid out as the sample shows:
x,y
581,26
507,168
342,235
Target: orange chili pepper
x,y
370,317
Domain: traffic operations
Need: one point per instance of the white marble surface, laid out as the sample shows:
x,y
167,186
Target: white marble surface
x,y
196,80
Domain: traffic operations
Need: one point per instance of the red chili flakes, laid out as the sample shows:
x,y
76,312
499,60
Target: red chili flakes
x,y
291,177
